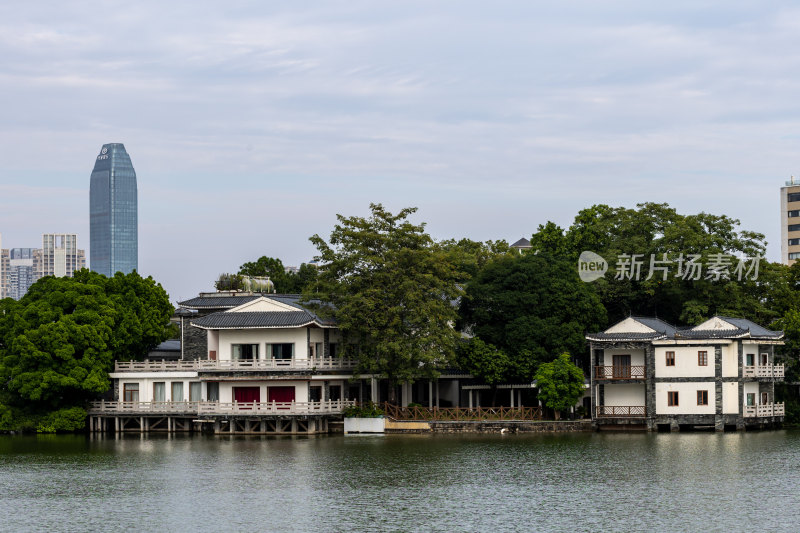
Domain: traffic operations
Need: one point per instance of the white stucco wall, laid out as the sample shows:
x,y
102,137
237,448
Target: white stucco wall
x,y
262,337
730,398
628,394
730,360
146,393
685,361
637,356
687,398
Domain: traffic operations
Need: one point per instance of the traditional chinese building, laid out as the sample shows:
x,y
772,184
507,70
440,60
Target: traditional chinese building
x,y
650,375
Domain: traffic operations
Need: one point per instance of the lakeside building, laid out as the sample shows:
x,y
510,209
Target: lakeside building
x,y
113,212
651,375
269,366
790,222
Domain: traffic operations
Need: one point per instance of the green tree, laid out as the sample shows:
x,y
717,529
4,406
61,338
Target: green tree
x,y
560,384
654,230
483,361
390,289
530,306
58,343
285,282
471,256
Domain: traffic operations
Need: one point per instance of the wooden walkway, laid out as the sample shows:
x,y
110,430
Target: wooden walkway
x,y
396,412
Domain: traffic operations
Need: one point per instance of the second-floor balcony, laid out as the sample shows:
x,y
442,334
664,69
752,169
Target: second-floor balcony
x,y
619,372
211,365
763,371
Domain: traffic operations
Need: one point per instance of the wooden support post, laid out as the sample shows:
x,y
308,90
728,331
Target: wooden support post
x,y
437,393
216,426
470,398
247,425
142,429
374,391
512,398
294,425
116,424
231,425
430,393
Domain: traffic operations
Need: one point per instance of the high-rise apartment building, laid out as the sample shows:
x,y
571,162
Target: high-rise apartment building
x,y
113,212
3,270
21,271
790,222
60,255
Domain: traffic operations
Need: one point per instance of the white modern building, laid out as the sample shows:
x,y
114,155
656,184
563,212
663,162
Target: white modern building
x,y
718,374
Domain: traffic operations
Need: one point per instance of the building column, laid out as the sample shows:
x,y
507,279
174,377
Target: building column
x,y
719,419
512,391
373,390
430,393
470,398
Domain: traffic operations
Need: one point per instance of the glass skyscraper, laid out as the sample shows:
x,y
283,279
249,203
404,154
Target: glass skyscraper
x,y
113,213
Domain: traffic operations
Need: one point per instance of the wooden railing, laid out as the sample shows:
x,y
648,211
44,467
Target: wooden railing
x,y
208,365
767,409
621,411
220,408
763,371
462,413
619,372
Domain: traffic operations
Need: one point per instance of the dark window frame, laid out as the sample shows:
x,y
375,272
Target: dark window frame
x,y
672,398
670,358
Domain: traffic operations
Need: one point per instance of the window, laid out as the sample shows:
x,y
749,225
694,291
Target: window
x,y
702,397
794,242
764,359
195,394
702,358
793,197
333,348
795,213
315,394
280,351
751,399
177,391
212,390
794,227
764,398
794,255
335,393
670,358
244,352
130,392
749,358
672,398
159,391
318,349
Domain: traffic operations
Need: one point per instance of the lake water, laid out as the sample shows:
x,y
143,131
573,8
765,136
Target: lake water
x,y
561,482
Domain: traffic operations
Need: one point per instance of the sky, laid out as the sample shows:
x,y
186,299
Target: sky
x,y
251,125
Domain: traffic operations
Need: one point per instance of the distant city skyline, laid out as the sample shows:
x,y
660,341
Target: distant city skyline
x,y
253,125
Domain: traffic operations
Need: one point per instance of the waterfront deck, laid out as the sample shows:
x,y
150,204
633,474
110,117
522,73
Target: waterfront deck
x,y
765,410
249,418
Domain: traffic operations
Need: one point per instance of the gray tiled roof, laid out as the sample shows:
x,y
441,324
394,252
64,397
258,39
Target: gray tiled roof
x,y
732,333
257,319
625,336
755,329
218,302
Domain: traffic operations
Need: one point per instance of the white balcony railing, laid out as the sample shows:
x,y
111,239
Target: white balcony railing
x,y
767,409
763,371
219,408
207,365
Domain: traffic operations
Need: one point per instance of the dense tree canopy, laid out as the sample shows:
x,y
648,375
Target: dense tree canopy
x,y
285,282
58,343
390,288
531,307
652,230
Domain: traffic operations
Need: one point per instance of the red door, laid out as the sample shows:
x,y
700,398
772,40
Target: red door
x,y
246,394
280,394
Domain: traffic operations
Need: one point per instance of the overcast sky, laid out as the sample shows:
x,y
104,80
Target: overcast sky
x,y
252,124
